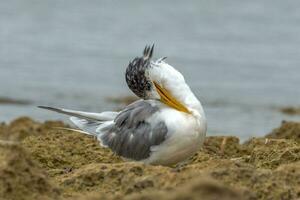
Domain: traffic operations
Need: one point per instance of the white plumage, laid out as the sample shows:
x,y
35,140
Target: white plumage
x,y
165,128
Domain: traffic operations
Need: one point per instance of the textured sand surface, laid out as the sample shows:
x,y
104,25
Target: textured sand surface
x,y
38,161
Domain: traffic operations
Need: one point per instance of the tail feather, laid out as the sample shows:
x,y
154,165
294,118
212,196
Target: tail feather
x,y
71,129
88,126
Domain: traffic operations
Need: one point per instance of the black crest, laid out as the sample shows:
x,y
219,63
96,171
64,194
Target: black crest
x,y
135,75
148,52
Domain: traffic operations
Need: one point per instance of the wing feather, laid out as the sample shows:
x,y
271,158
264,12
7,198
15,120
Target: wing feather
x,y
104,116
132,135
128,133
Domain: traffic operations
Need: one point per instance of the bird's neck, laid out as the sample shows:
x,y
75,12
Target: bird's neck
x,y
189,100
173,81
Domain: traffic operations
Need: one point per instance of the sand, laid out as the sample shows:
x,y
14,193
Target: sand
x,y
290,110
10,101
39,161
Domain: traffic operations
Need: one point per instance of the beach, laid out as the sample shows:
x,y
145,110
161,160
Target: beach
x,y
239,58
40,161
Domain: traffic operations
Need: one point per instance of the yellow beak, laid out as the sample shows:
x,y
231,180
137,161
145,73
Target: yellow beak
x,y
168,99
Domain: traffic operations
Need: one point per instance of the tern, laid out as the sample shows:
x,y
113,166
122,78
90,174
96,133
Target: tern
x,y
165,126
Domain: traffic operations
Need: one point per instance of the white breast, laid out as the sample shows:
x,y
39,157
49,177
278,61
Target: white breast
x,y
185,136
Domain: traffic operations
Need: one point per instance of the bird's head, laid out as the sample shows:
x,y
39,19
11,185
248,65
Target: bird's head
x,y
136,75
158,80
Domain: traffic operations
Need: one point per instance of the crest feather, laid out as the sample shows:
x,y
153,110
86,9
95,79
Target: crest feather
x,y
148,52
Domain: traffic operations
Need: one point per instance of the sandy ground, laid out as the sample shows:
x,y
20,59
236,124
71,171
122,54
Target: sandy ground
x,y
38,161
290,110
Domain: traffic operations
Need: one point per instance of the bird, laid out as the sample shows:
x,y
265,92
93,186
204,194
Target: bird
x,y
165,126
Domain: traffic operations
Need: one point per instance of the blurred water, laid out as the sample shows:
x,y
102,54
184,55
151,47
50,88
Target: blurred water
x,y
240,57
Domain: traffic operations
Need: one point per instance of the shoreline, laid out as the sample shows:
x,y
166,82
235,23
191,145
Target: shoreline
x,y
38,161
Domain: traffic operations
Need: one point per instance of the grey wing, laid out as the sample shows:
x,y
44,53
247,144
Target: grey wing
x,y
132,135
